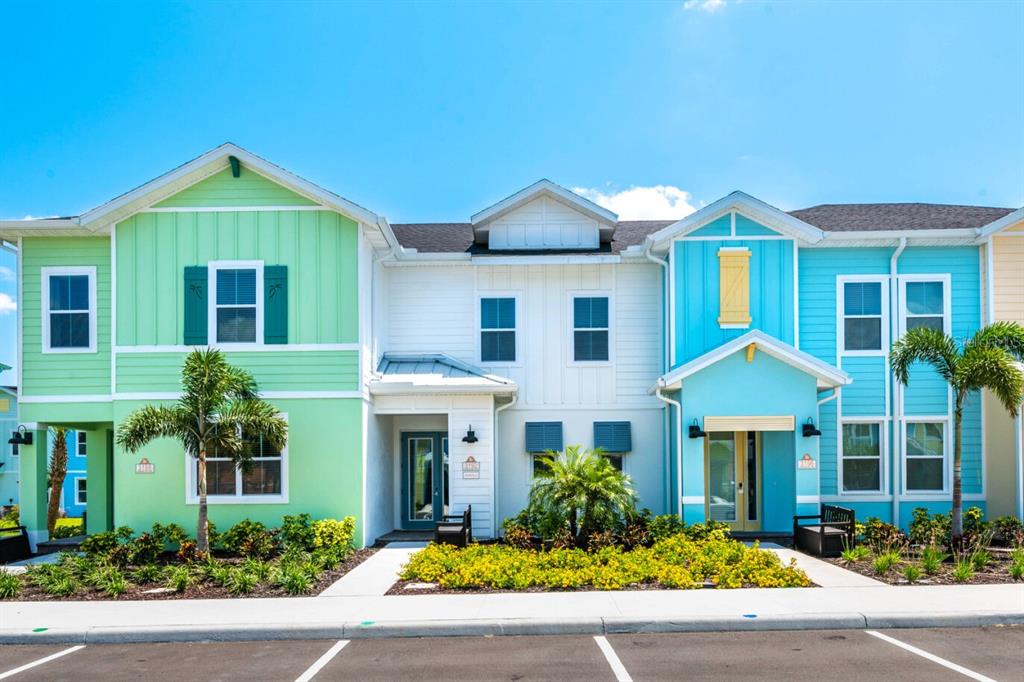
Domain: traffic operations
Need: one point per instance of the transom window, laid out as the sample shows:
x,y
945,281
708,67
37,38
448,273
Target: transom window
x,y
926,457
81,449
69,309
497,330
863,328
237,311
862,457
590,328
925,305
265,480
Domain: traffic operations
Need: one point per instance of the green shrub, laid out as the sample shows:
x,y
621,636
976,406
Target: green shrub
x,y
112,582
145,549
10,585
258,569
169,536
852,555
882,536
334,533
149,573
912,573
189,552
963,571
517,536
12,517
67,530
242,582
297,531
1010,530
1016,570
980,558
53,579
221,574
931,559
249,539
636,531
179,578
665,526
926,529
294,580
102,545
886,561
329,558
705,530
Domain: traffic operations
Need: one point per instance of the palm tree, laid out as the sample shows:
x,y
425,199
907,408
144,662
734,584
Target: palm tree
x,y
987,360
219,411
583,488
56,473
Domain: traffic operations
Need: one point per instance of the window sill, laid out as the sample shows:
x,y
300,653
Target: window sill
x,y
69,351
240,500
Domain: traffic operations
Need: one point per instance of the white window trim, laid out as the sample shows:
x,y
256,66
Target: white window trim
x,y
211,323
841,281
883,453
947,299
478,321
570,346
238,498
45,274
79,435
947,468
78,492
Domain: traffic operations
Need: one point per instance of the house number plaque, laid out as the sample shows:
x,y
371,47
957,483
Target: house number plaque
x,y
471,468
806,462
144,467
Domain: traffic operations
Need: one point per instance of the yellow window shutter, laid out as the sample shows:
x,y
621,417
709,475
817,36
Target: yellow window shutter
x,y
734,286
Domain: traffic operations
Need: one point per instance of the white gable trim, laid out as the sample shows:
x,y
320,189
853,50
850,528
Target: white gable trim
x,y
827,375
1001,224
540,188
755,209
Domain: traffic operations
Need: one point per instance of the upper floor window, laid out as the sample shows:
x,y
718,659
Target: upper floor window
x,y
925,456
863,316
924,305
497,330
69,309
80,445
590,328
236,315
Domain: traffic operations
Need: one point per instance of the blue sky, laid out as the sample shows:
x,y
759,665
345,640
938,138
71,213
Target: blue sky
x,y
432,111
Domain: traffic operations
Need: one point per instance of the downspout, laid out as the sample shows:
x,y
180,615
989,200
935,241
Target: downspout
x,y
833,396
494,474
665,437
1019,447
679,443
896,389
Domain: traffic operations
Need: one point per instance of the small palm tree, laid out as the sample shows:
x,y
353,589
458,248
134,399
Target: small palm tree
x,y
985,361
56,473
219,411
583,488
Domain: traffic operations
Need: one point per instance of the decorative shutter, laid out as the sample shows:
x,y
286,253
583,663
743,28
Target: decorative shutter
x,y
734,286
613,436
196,305
543,436
275,304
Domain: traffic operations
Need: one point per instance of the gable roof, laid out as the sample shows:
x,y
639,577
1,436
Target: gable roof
x,y
908,216
1002,223
544,187
434,373
827,375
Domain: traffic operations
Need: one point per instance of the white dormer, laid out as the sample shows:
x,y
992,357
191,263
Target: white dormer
x,y
544,216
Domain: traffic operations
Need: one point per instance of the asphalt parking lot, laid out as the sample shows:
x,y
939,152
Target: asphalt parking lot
x,y
893,655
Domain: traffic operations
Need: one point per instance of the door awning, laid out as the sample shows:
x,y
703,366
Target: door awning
x,y
408,373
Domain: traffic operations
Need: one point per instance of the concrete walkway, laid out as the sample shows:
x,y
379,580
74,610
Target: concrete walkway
x,y
376,575
822,573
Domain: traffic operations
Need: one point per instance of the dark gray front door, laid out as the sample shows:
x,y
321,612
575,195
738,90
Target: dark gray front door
x,y
424,478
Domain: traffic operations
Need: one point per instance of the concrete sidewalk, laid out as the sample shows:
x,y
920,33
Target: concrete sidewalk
x,y
493,614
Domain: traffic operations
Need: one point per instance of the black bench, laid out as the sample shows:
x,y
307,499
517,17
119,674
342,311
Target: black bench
x,y
455,529
834,532
14,545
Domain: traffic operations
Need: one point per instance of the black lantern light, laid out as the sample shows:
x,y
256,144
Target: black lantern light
x,y
21,437
810,429
470,436
696,431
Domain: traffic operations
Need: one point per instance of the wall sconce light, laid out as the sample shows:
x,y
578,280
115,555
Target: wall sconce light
x,y
470,436
810,430
21,437
695,430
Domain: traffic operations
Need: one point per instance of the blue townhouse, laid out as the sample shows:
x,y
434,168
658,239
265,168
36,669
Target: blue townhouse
x,y
779,327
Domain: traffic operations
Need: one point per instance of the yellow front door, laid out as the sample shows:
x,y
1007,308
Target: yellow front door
x,y
732,475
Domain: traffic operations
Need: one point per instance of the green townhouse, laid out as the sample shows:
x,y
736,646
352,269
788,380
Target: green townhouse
x,y
227,250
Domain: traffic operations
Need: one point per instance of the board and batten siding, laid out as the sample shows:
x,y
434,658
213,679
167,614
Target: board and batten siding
x,y
53,374
435,309
320,249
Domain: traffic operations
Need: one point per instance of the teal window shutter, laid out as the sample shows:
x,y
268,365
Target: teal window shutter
x,y
275,304
543,436
196,305
613,436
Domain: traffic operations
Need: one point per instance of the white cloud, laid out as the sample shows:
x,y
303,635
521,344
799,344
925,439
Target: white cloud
x,y
704,5
7,304
6,274
659,202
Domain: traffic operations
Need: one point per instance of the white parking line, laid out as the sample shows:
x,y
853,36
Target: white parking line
x,y
931,657
613,659
318,665
47,659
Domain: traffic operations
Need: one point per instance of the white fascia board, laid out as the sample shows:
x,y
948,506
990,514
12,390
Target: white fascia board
x,y
1001,224
965,235
539,188
828,376
739,201
438,388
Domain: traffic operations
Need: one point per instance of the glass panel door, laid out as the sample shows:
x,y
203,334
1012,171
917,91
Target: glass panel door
x,y
722,479
733,475
421,479
424,479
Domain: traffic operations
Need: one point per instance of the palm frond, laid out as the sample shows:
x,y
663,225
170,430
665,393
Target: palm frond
x,y
151,422
1008,336
993,368
926,345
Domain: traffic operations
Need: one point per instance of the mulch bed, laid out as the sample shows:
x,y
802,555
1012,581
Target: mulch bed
x,y
996,573
30,592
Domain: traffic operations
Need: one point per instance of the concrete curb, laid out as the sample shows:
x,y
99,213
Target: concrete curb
x,y
485,627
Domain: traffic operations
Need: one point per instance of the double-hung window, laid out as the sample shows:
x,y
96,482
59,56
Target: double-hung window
x,y
80,492
924,305
236,313
862,457
69,309
590,329
497,329
926,456
863,324
266,479
81,448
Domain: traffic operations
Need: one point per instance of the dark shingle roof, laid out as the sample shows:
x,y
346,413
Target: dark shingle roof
x,y
458,238
875,217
